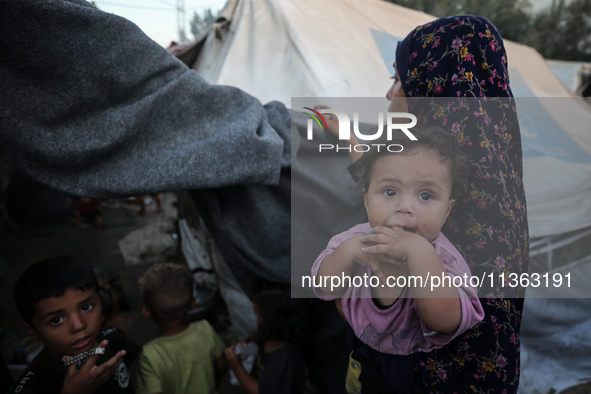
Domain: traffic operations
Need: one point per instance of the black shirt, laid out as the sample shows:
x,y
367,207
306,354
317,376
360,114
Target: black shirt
x,y
46,375
283,371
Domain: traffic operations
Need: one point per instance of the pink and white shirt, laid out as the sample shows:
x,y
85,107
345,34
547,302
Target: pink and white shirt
x,y
398,329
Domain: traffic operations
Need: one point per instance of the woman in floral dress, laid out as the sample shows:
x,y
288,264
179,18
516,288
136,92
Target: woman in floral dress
x,y
454,74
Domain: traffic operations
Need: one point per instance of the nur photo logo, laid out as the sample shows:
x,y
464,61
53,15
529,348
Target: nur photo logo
x,y
392,124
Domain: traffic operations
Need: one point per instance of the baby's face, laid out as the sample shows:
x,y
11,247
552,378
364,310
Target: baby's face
x,y
69,324
411,191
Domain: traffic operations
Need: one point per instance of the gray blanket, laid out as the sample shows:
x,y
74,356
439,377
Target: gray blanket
x,y
91,106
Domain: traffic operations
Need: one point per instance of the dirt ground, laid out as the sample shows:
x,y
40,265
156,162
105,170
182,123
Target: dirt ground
x,y
23,245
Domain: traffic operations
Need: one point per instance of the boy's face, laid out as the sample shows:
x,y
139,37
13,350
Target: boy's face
x,y
411,191
69,324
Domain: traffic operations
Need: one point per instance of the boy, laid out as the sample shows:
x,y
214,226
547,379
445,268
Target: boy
x,y
186,357
59,302
408,196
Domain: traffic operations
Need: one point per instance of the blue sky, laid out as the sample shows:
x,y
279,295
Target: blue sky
x,y
158,18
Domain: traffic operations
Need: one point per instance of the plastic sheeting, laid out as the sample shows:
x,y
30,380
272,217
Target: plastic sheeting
x,y
569,72
556,337
150,244
203,258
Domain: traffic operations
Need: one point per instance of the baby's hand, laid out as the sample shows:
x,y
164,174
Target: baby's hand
x,y
332,124
389,245
355,246
89,377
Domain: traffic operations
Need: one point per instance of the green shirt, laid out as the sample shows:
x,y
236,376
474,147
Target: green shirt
x,y
182,363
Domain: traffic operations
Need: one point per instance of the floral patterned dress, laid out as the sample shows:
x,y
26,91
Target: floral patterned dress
x,y
454,74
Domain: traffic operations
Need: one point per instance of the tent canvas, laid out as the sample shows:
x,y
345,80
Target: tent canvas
x,y
279,49
276,50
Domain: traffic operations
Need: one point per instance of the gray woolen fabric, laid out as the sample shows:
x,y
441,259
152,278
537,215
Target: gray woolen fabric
x,y
89,105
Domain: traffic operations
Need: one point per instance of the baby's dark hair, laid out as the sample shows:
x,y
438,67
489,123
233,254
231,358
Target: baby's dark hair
x,y
51,278
431,138
167,290
283,318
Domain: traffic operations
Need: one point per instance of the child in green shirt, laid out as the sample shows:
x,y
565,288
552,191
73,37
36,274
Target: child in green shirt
x,y
186,357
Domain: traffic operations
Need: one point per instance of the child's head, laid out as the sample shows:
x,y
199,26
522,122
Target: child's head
x,y
416,188
280,317
59,302
167,290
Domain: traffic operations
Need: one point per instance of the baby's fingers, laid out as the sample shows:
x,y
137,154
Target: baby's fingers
x,y
375,239
375,267
327,114
321,106
381,253
377,248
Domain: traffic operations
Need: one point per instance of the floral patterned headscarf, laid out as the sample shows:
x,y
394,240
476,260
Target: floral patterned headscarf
x,y
457,66
457,56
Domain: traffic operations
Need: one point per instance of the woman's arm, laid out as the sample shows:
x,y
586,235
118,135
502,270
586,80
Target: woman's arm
x,y
332,124
116,115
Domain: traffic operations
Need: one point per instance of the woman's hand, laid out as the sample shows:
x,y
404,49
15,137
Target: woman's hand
x,y
332,123
331,120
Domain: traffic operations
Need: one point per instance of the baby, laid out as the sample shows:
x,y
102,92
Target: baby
x,y
408,196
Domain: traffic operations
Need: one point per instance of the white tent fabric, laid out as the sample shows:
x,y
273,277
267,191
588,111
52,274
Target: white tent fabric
x,y
279,49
